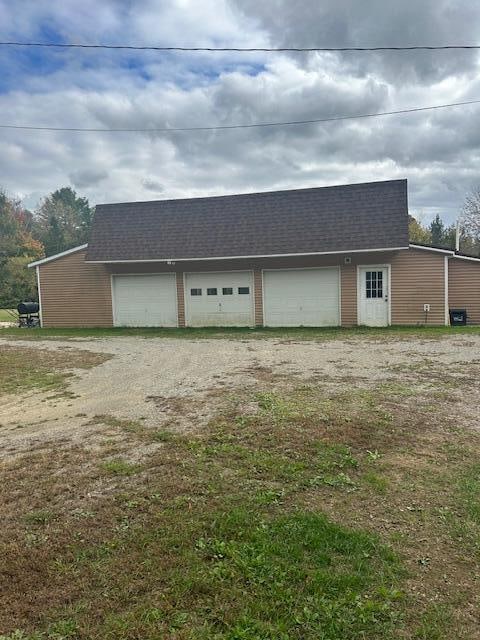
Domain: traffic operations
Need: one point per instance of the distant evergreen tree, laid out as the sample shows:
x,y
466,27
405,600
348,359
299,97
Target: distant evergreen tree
x,y
437,231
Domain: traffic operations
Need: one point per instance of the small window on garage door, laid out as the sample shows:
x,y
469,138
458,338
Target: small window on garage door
x,y
244,290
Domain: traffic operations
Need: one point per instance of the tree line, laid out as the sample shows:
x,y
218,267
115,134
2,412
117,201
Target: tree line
x,y
62,220
438,234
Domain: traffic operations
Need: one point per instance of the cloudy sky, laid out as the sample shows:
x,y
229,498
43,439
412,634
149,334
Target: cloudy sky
x,y
439,152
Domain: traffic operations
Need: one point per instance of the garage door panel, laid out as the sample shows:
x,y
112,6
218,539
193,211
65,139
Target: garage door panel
x,y
223,309
145,300
301,297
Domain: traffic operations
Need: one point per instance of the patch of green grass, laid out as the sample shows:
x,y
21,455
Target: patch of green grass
x,y
8,315
241,333
41,517
20,635
23,369
61,630
376,482
120,467
465,522
469,487
295,576
162,435
435,623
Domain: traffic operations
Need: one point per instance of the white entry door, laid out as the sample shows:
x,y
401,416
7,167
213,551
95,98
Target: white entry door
x,y
373,303
144,300
301,297
219,299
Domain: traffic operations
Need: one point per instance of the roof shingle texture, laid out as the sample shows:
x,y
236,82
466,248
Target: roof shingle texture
x,y
327,219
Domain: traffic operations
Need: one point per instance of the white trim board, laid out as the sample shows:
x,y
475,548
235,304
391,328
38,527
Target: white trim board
x,y
449,253
455,255
446,294
40,313
172,261
58,255
434,249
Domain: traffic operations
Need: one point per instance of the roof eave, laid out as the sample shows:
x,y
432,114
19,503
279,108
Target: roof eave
x,y
37,263
251,257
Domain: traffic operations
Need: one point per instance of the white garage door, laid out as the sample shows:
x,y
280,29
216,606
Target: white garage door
x,y
145,300
301,297
219,299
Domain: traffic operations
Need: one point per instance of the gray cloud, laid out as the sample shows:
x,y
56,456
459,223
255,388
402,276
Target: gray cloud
x,y
87,177
152,184
437,151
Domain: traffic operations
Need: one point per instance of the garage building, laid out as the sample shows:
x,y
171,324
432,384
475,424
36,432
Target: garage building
x,y
328,256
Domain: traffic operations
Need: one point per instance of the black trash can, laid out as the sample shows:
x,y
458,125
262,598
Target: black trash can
x,y
458,317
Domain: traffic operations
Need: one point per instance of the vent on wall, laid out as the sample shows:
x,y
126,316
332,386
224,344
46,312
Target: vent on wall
x,y
348,260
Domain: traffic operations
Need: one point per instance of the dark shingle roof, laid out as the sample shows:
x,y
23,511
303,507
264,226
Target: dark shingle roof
x,y
326,219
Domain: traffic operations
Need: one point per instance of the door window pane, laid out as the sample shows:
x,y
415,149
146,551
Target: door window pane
x,y
374,284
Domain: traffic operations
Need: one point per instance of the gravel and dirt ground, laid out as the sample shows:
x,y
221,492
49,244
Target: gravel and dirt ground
x,y
162,380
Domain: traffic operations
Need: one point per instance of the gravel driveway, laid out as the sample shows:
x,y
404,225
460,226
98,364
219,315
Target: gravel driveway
x,y
147,379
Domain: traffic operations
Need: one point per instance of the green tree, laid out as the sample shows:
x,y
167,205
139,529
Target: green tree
x,y
417,232
63,220
437,231
17,249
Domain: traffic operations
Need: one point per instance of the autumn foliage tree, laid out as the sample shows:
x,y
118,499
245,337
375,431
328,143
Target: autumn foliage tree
x,y
63,220
18,247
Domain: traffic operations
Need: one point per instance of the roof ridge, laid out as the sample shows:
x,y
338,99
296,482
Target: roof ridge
x,y
252,193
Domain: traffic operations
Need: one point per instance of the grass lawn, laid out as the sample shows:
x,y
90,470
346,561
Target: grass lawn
x,y
6,315
297,513
40,369
294,333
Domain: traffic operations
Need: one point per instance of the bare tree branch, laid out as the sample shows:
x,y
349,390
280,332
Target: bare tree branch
x,y
470,216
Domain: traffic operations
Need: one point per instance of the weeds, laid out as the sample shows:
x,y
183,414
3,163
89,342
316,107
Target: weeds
x,y
297,520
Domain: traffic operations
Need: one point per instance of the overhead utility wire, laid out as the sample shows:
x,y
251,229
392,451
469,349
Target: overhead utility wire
x,y
239,126
72,45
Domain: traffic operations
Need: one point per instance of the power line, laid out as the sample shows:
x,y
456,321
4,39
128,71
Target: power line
x,y
71,45
239,126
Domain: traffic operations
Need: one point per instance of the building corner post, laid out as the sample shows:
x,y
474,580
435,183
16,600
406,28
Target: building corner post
x,y
37,269
447,311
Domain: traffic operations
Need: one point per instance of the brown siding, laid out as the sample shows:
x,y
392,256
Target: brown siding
x,y
348,284
75,293
464,287
258,297
180,299
418,278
